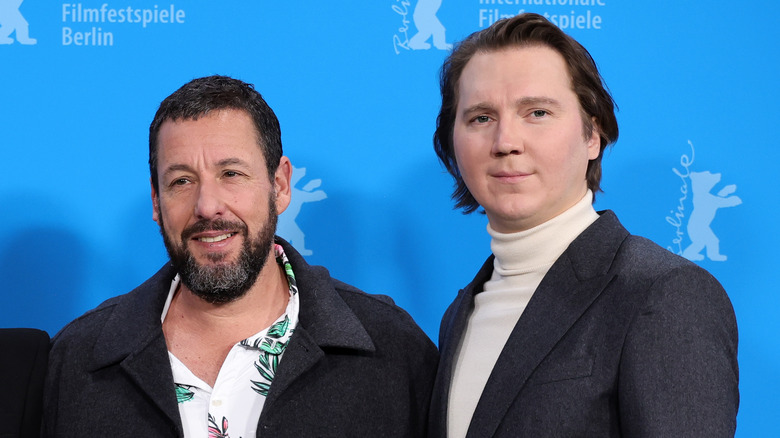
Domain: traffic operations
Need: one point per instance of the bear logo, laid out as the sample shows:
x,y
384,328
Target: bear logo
x,y
428,25
287,227
429,28
12,20
705,206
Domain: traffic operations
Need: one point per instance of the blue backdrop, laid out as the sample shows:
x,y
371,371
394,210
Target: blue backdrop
x,y
355,88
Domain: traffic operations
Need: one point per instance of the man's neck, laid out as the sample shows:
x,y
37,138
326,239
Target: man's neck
x,y
200,334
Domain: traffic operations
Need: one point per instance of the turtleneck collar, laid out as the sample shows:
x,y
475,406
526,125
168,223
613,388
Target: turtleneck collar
x,y
538,248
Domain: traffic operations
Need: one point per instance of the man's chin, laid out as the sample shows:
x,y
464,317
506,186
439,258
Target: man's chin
x,y
215,259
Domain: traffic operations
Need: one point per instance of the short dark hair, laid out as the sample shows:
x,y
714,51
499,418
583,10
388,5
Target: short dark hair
x,y
524,30
200,96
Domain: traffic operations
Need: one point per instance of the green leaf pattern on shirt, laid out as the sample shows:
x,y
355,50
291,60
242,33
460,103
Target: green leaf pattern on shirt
x,y
279,328
282,260
183,393
273,344
271,347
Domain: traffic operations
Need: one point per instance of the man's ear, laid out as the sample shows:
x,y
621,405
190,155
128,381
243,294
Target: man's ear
x,y
594,141
282,186
155,204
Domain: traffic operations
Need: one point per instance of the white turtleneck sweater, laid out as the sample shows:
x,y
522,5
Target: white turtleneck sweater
x,y
521,261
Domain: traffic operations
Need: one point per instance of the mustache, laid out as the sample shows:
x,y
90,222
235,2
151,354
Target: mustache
x,y
212,225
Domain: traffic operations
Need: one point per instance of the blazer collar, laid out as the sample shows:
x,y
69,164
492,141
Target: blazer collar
x,y
570,286
453,325
463,305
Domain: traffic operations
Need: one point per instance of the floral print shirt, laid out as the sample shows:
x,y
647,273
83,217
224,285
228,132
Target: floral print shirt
x,y
231,409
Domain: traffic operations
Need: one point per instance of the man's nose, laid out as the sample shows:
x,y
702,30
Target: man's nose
x,y
210,203
508,138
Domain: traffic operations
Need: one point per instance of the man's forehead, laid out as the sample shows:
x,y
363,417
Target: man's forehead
x,y
220,121
531,73
212,138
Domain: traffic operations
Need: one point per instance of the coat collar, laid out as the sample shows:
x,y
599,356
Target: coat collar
x,y
573,282
324,314
134,323
325,322
132,335
132,338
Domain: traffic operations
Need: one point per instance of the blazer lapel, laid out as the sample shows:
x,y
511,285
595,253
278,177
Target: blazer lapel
x,y
573,282
453,325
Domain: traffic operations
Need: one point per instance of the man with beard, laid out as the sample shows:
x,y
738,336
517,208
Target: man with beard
x,y
236,336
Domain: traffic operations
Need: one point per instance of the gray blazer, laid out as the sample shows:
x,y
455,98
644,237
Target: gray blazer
x,y
356,366
621,339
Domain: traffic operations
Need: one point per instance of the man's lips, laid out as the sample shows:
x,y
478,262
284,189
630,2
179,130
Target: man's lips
x,y
509,175
212,236
212,233
213,239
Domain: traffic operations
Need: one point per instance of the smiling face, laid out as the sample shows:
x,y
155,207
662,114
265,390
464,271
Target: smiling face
x,y
518,136
216,205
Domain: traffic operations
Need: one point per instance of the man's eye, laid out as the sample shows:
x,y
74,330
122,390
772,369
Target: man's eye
x,y
539,113
482,119
230,173
179,182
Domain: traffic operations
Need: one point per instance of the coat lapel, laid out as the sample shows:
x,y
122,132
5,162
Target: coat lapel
x,y
325,321
133,339
158,385
571,285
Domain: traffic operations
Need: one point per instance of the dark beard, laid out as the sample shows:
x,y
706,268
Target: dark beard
x,y
223,282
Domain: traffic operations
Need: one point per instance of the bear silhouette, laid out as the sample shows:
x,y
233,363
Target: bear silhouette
x,y
705,205
287,227
12,20
428,25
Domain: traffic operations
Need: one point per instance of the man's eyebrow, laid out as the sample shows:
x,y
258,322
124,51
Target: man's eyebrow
x,y
537,100
221,163
477,108
521,102
231,162
176,168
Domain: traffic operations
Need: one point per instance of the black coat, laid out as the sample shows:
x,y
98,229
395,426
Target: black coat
x,y
356,366
22,370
